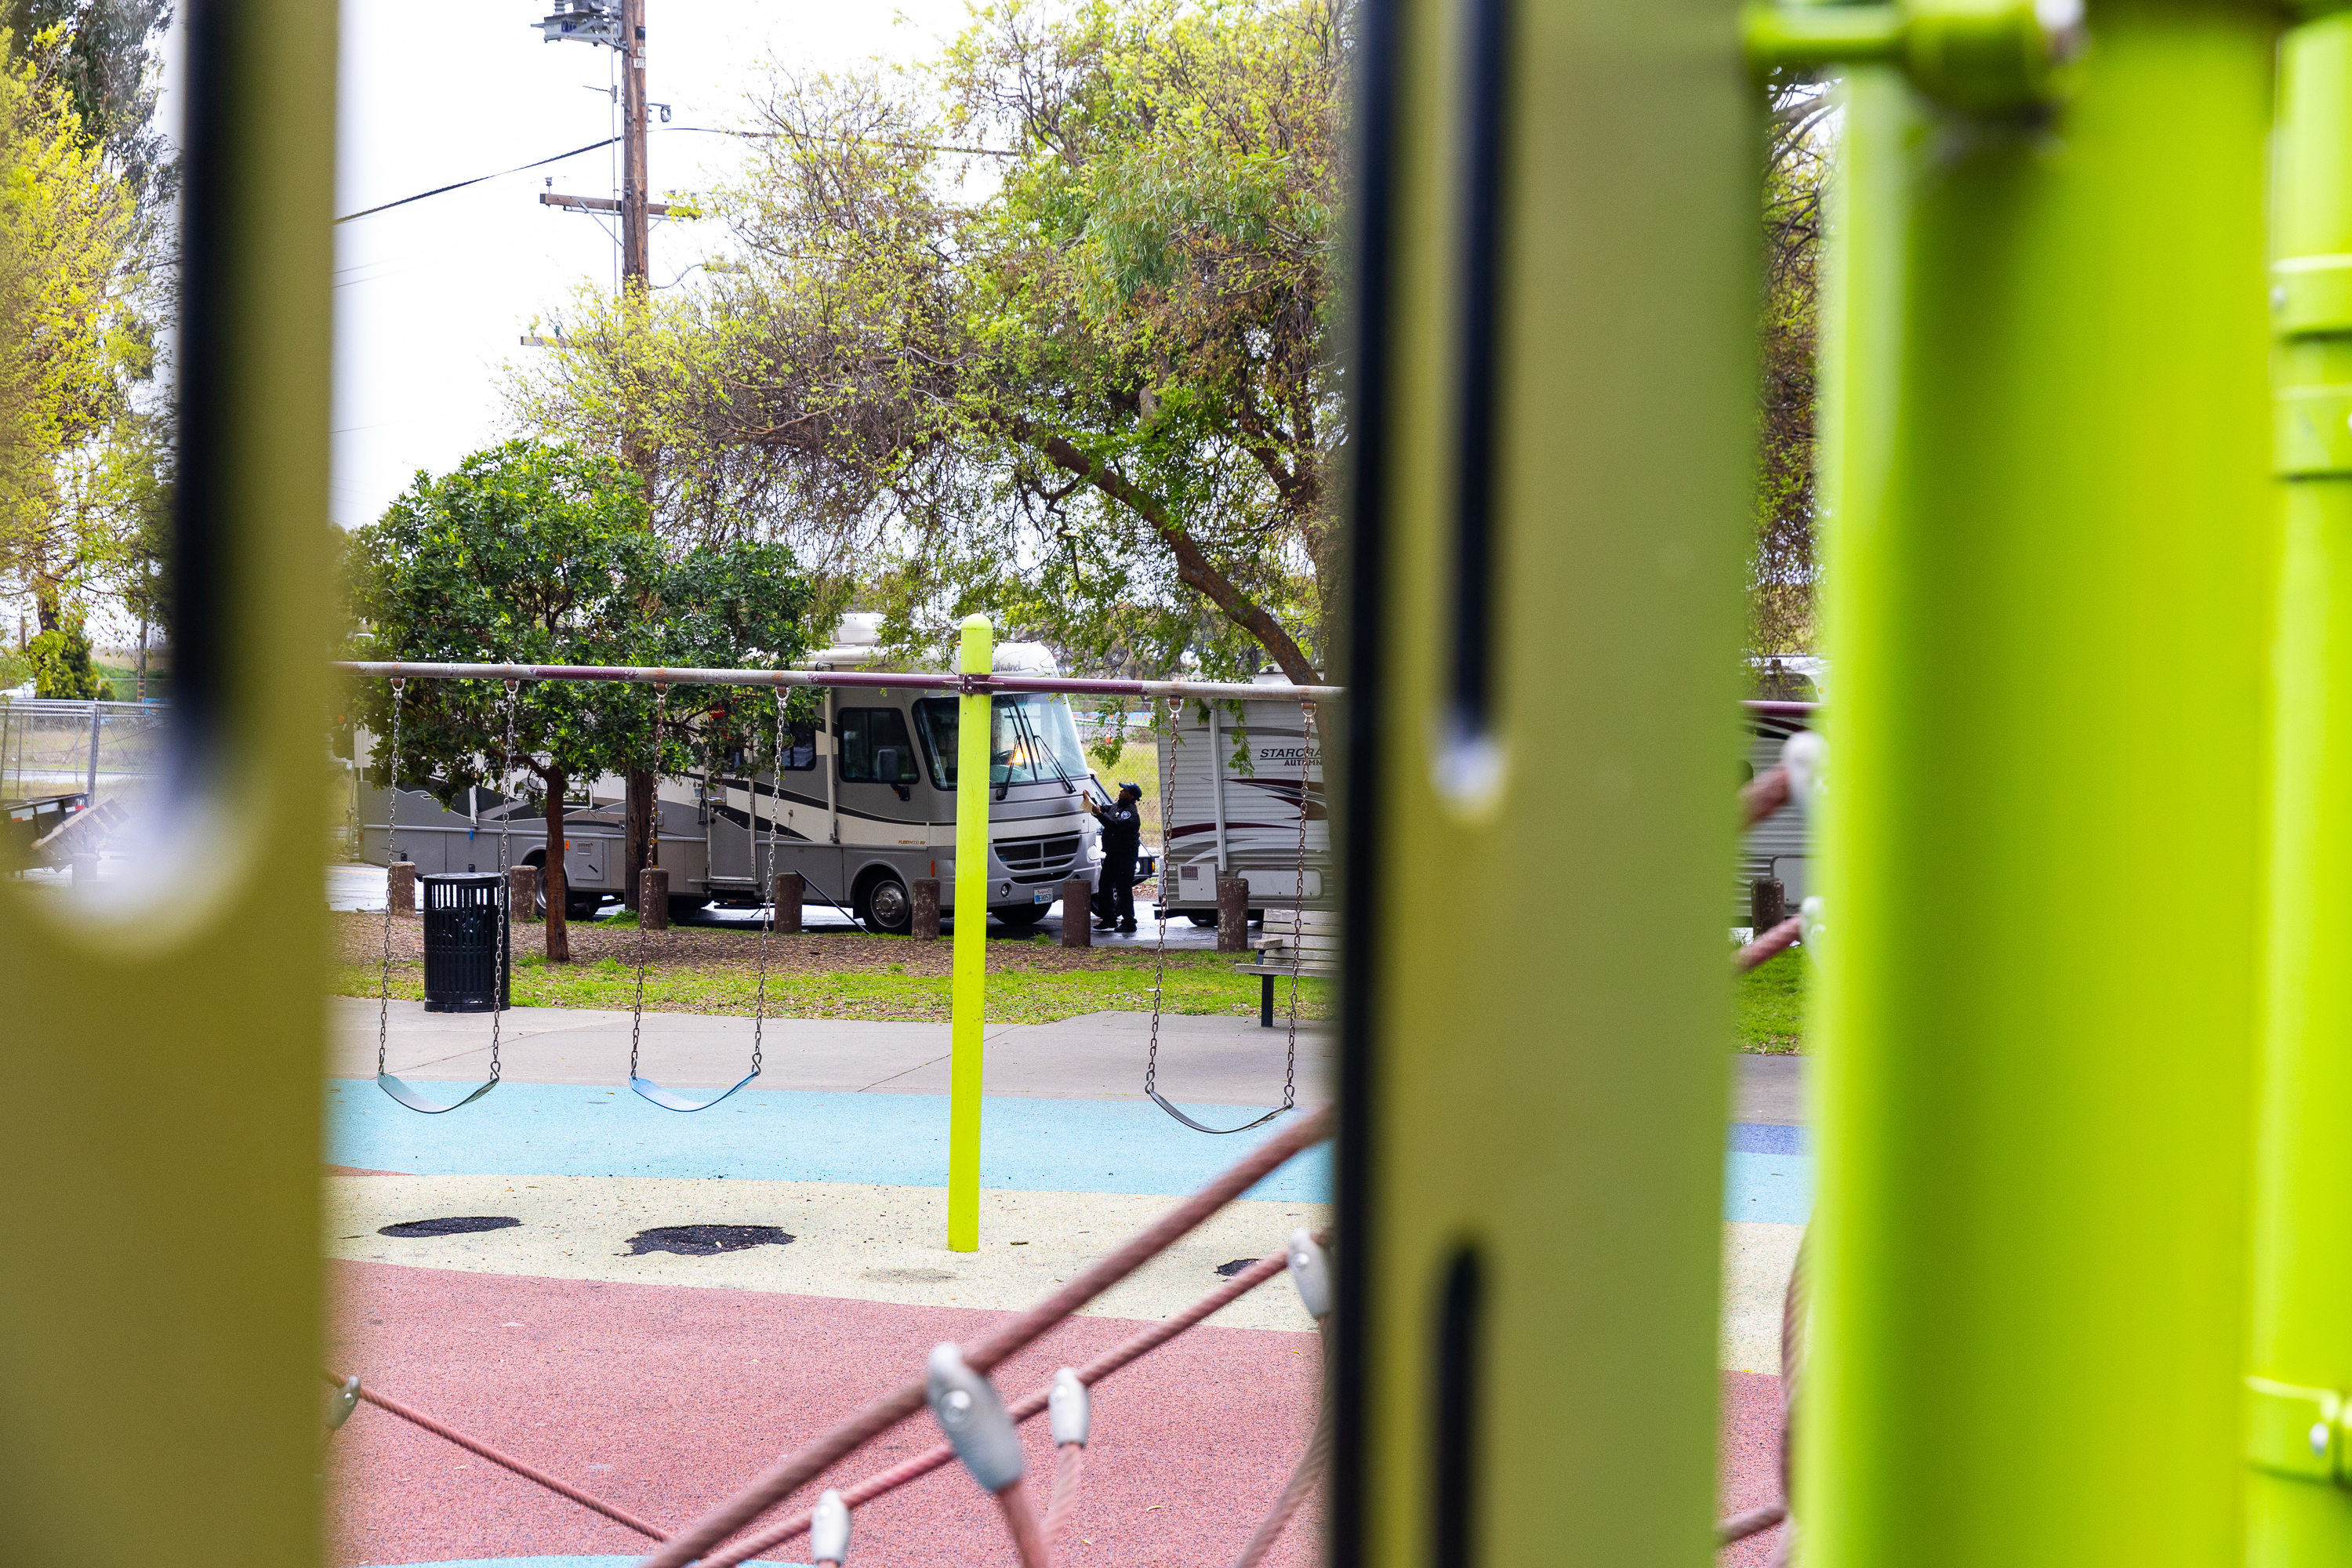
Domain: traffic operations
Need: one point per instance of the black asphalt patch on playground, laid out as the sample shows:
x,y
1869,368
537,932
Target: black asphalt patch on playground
x,y
702,1240
456,1225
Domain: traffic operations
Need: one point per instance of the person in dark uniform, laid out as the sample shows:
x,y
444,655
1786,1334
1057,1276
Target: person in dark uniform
x,y
1122,840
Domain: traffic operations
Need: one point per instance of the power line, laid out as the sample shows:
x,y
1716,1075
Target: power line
x,y
444,190
698,129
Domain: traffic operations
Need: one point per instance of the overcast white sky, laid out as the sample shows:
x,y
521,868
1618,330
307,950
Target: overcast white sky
x,y
430,299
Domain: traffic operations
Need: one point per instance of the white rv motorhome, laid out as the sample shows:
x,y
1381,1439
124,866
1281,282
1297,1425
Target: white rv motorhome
x,y
865,803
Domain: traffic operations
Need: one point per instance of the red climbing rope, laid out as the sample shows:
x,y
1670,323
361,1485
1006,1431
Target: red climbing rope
x,y
415,1417
1068,1466
1768,944
1027,1407
1762,796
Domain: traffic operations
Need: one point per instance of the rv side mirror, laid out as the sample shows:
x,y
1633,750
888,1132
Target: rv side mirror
x,y
885,768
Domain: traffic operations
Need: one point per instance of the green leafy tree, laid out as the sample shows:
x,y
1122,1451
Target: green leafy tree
x,y
105,56
1096,400
77,348
536,555
62,664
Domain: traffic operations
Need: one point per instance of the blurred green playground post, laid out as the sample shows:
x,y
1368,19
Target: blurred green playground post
x,y
2045,450
969,1008
2300,1353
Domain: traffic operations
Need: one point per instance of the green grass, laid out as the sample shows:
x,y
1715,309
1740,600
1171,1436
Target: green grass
x,y
1772,1005
1015,995
1770,1018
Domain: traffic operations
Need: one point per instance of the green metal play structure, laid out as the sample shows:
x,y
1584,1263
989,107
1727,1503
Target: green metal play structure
x,y
2080,1265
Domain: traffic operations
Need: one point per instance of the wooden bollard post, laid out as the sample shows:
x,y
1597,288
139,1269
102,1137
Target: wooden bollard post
x,y
787,893
1077,913
927,909
522,892
1232,914
653,898
1767,903
399,887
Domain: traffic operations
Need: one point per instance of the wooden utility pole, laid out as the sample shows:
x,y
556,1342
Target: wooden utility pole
x,y
635,246
619,25
645,783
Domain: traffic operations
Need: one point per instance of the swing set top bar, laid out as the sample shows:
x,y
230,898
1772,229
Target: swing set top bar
x,y
964,685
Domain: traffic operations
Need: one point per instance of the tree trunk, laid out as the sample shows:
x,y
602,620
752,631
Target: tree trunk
x,y
559,932
641,799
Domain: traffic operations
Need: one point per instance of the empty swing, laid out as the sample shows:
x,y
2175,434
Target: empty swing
x,y
385,1080
669,1099
1298,951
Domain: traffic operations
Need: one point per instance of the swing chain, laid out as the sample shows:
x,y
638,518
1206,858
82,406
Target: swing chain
x,y
767,877
391,832
653,857
506,884
1159,949
1298,907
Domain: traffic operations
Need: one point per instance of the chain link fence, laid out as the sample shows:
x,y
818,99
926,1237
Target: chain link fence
x,y
109,754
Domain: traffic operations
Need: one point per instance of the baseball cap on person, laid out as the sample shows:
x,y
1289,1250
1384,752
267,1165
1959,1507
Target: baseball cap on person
x,y
1134,789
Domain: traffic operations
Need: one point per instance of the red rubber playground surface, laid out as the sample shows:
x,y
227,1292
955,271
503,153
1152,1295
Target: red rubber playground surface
x,y
663,1399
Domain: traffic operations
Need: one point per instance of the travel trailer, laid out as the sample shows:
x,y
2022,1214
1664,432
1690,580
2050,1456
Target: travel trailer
x,y
1781,847
1230,776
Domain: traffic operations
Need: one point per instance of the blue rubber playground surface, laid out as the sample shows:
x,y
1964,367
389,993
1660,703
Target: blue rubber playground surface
x,y
895,1139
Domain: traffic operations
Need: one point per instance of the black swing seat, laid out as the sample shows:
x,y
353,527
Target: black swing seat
x,y
415,1101
1161,1101
670,1099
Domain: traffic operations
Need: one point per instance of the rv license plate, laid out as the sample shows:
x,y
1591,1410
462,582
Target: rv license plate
x,y
1041,895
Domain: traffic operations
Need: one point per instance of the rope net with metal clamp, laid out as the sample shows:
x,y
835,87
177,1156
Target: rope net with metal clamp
x,y
701,1542
1159,949
669,1099
962,1368
385,1080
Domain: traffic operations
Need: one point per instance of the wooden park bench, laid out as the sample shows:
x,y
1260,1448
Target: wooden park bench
x,y
1309,938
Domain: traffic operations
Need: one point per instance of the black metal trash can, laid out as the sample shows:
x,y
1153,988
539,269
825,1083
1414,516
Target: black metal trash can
x,y
468,958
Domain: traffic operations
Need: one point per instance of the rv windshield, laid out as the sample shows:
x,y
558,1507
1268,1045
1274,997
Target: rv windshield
x,y
1033,739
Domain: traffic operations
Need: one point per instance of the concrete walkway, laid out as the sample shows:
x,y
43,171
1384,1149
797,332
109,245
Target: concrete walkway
x,y
1097,1056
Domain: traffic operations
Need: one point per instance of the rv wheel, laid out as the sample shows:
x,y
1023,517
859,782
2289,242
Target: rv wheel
x,y
884,906
1201,917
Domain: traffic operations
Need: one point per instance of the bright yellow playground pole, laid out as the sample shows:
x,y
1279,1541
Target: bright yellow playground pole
x,y
2048,574
970,1001
2300,1351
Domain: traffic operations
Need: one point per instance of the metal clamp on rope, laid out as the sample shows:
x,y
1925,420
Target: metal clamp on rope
x,y
341,1402
2295,1431
829,1530
973,1418
1310,1270
1071,1407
